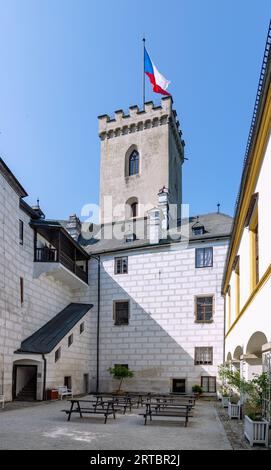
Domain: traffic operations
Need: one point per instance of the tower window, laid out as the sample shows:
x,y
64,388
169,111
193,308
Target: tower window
x,y
134,163
131,208
134,209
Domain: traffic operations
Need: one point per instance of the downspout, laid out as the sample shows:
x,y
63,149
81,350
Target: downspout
x,y
44,377
98,327
98,259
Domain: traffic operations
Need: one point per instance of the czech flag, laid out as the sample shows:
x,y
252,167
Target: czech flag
x,y
159,83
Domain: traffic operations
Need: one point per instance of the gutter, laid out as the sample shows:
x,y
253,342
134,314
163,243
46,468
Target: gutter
x,y
161,245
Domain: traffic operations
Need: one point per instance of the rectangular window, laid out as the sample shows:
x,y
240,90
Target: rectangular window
x,y
252,223
208,384
22,290
204,308
237,286
204,257
70,340
82,327
121,265
204,356
57,354
21,232
121,312
254,252
229,306
178,385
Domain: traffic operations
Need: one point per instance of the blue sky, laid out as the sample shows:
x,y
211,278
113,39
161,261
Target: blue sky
x,y
66,62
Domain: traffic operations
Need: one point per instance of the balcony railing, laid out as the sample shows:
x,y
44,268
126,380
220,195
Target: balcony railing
x,y
52,255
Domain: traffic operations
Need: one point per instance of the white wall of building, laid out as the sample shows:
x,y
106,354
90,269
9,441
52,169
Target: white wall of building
x,y
43,297
158,344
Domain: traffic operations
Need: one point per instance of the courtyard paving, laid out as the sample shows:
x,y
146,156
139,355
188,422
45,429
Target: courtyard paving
x,y
43,426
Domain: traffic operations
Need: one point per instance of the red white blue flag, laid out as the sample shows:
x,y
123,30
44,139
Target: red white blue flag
x,y
159,83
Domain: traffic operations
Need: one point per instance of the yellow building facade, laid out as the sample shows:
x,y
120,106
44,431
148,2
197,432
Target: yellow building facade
x,y
247,277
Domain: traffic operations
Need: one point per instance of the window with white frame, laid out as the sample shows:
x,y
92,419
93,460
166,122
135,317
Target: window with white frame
x,y
204,356
121,265
121,312
204,257
204,306
208,384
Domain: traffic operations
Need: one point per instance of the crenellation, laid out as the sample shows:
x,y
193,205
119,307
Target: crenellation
x,y
109,127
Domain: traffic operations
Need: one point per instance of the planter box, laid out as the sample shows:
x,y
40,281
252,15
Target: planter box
x,y
256,432
234,410
225,401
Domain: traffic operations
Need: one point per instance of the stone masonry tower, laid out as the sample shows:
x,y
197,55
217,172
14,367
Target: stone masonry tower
x,y
141,153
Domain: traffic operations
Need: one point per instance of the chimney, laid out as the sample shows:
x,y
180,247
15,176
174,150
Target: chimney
x,y
38,210
158,218
163,197
154,225
73,226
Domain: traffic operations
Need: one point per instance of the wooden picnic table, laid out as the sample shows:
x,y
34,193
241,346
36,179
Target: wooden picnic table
x,y
172,409
105,408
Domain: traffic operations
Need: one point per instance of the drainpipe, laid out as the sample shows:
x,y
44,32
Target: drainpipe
x,y
44,377
98,259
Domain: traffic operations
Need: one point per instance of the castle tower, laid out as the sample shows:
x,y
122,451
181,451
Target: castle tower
x,y
141,153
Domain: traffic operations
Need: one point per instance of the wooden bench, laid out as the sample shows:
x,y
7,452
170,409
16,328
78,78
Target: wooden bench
x,y
104,408
170,410
2,400
64,391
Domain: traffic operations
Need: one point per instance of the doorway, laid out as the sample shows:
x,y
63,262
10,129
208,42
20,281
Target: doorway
x,y
86,383
24,382
178,385
68,382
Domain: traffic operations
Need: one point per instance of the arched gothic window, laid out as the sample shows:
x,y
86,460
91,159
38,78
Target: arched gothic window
x,y
134,163
134,209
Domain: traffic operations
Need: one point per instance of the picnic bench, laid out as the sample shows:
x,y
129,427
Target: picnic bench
x,y
121,402
98,407
172,409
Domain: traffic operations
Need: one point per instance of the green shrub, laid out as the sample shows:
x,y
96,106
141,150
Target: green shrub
x,y
197,389
120,373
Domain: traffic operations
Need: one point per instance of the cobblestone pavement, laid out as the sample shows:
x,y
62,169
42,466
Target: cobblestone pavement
x,y
43,426
234,429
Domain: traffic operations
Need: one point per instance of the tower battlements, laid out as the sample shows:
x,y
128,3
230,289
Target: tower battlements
x,y
139,120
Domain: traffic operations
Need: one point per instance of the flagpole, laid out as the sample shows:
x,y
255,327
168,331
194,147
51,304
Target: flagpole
x,y
144,40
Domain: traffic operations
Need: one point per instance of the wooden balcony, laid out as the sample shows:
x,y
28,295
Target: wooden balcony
x,y
52,255
59,256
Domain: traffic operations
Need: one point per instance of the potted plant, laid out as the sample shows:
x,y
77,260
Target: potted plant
x,y
255,426
225,396
120,373
234,407
197,390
